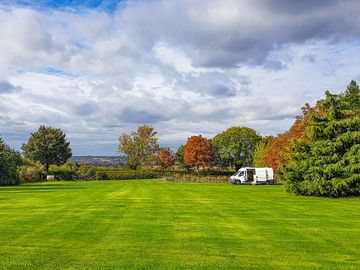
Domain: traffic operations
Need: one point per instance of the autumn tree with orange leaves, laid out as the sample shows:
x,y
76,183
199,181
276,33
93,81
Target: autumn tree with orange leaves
x,y
165,157
197,152
278,148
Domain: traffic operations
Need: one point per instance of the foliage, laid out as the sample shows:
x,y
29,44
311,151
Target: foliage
x,y
196,178
86,172
260,151
30,174
277,149
179,155
31,171
124,173
9,162
328,164
127,175
197,152
48,145
67,171
140,146
214,173
259,154
165,157
235,147
206,172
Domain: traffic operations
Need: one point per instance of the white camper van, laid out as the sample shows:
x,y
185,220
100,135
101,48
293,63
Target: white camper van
x,y
253,176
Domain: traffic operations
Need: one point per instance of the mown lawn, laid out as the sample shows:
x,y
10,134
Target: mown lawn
x,y
158,225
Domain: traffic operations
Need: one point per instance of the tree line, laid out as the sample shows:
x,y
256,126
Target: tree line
x,y
319,155
231,149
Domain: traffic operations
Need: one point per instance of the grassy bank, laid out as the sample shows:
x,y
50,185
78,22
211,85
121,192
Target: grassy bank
x,y
159,225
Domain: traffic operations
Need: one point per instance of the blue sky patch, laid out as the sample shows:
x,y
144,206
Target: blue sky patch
x,y
56,72
107,5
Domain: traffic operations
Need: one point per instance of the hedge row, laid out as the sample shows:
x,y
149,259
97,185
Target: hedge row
x,y
127,175
150,174
196,173
213,173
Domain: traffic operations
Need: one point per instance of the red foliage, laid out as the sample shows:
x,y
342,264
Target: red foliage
x,y
197,152
165,157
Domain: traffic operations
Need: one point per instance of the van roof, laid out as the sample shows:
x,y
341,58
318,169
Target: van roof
x,y
254,168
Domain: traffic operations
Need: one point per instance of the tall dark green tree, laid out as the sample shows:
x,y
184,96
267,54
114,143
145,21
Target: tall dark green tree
x,y
9,161
235,147
48,146
328,163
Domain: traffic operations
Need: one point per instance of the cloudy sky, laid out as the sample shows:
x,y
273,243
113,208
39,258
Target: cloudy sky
x,y
100,68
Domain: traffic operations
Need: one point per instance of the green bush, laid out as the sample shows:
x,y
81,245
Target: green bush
x,y
31,171
64,172
30,174
214,173
86,172
127,175
9,162
108,174
197,173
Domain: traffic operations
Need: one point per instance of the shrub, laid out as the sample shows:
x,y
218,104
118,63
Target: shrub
x,y
64,172
127,175
196,179
9,161
198,173
214,173
31,171
86,172
30,174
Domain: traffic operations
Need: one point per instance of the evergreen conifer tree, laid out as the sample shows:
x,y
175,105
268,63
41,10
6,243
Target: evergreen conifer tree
x,y
9,162
328,163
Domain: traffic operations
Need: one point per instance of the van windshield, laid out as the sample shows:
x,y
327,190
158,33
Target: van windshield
x,y
239,173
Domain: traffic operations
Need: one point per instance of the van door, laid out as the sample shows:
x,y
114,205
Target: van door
x,y
250,175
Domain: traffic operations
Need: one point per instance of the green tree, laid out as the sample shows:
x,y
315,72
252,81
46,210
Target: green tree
x,y
259,153
140,146
9,162
48,146
179,155
235,147
328,163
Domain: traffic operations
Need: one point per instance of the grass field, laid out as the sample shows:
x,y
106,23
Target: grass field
x,y
160,225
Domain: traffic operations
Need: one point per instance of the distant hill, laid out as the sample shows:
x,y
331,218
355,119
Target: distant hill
x,y
106,161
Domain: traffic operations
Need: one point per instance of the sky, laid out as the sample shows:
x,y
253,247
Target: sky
x,y
97,69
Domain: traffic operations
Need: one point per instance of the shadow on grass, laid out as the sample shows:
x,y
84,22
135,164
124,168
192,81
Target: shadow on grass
x,y
41,185
29,188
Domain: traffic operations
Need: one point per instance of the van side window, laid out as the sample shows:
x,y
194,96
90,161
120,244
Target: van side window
x,y
241,173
